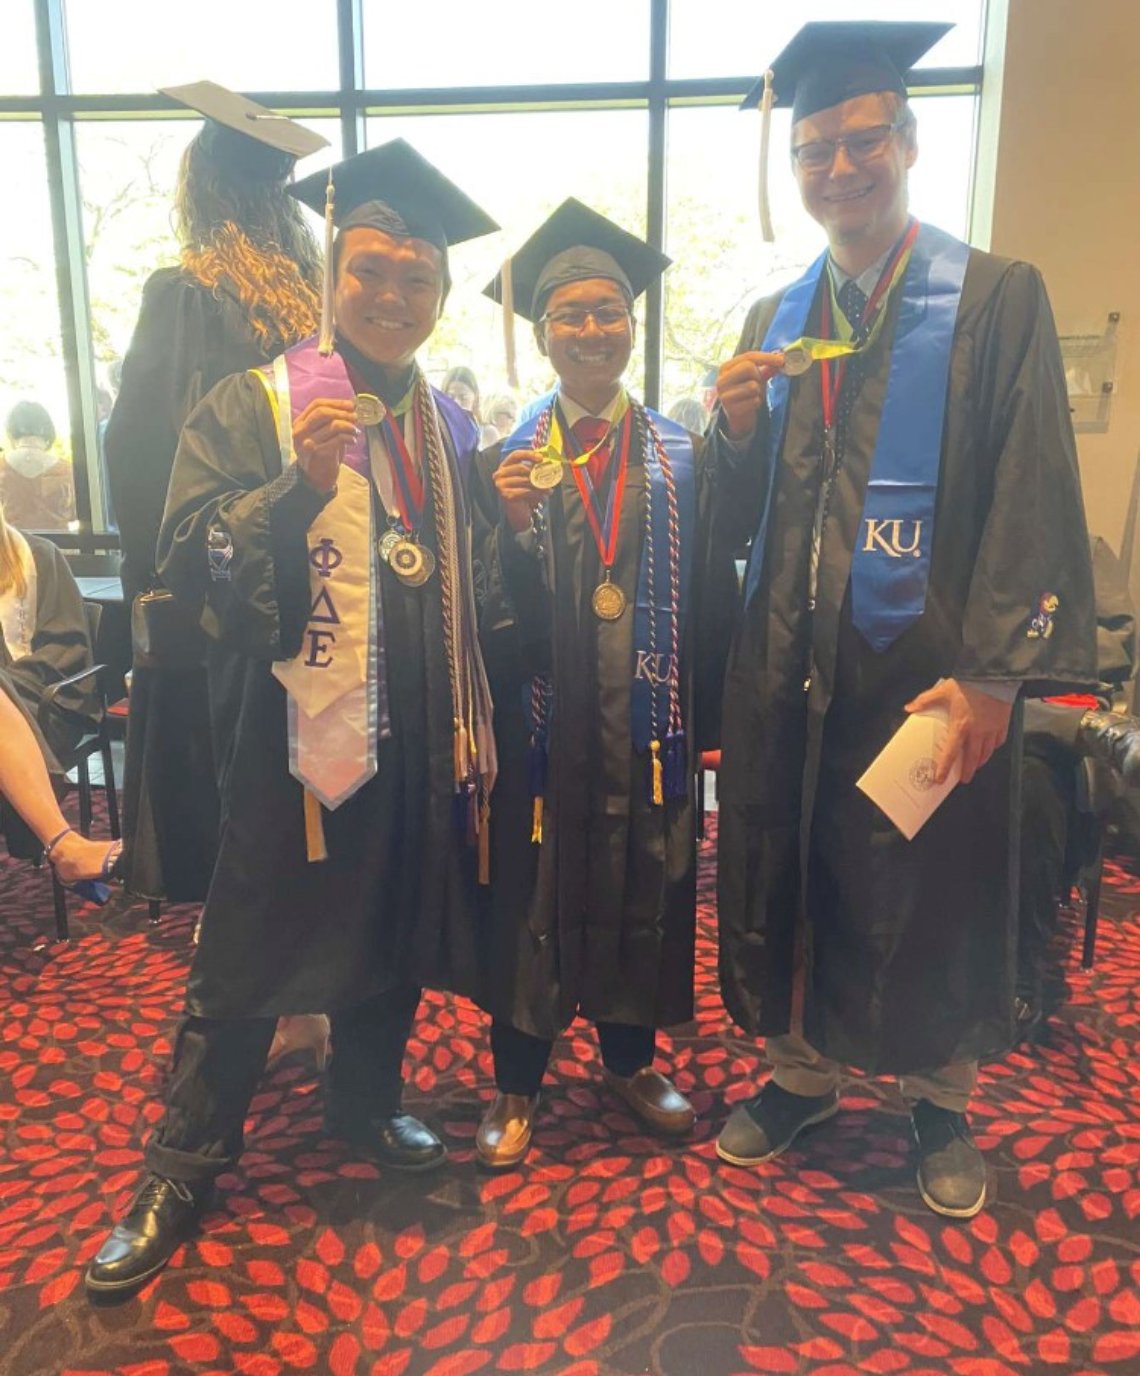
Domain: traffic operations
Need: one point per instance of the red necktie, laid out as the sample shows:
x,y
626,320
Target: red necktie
x,y
589,431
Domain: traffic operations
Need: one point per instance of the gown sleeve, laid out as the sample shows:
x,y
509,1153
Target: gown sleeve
x,y
1030,611
715,601
232,546
161,384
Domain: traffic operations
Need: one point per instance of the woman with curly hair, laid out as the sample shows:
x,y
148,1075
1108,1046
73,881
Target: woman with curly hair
x,y
247,286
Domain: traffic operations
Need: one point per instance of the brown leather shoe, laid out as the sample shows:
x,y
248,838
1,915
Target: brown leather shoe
x,y
504,1134
655,1100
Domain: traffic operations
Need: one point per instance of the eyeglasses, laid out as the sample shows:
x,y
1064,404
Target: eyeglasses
x,y
605,317
862,146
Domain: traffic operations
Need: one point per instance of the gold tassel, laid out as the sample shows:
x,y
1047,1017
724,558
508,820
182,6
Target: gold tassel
x,y
456,749
765,138
658,774
315,848
325,339
536,821
507,292
484,842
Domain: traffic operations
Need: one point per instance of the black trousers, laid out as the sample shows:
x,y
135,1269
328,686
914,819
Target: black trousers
x,y
521,1060
218,1063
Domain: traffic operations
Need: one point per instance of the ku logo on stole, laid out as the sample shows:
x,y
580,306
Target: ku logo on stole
x,y
886,536
326,559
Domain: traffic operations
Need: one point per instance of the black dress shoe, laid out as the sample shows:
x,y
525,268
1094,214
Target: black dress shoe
x,y
763,1127
398,1141
951,1169
162,1216
1114,739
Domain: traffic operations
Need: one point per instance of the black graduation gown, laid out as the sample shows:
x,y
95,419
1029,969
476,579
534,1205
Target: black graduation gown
x,y
908,948
394,901
600,918
187,338
60,648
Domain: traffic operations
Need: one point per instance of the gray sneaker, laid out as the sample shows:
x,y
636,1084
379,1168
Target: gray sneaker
x,y
951,1169
763,1127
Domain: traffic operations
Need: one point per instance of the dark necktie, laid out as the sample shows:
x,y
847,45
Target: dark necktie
x,y
852,302
588,431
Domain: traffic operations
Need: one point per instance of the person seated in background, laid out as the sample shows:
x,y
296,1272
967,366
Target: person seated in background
x,y
502,413
36,487
461,385
690,413
1058,733
43,640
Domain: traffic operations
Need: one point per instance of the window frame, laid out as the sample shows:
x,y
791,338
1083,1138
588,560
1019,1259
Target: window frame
x,y
58,110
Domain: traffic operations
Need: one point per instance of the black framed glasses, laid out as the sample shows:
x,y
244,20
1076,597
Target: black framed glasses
x,y
571,318
865,144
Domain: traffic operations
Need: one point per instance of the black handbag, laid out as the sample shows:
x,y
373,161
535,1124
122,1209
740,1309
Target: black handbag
x,y
163,634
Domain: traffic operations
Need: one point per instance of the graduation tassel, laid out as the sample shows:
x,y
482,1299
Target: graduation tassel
x,y
537,765
657,774
765,138
325,339
536,821
507,292
459,750
484,839
315,848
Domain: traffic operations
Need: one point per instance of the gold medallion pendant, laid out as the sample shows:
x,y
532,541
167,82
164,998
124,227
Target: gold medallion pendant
x,y
369,409
797,360
545,474
387,543
411,563
608,601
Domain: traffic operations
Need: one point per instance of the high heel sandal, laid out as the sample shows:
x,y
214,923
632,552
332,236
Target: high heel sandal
x,y
95,890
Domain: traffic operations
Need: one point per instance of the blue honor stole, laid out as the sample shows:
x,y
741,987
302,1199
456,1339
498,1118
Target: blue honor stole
x,y
890,566
654,674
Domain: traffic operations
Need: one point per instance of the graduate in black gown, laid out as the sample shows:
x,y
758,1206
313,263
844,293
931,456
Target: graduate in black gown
x,y
317,520
596,713
918,541
247,286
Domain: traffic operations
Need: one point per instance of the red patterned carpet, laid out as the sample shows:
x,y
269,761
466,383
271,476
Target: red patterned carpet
x,y
609,1253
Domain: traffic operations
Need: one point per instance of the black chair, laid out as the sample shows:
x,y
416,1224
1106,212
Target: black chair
x,y
95,739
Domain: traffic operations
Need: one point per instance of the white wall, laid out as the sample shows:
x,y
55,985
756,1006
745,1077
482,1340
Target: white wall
x,y
1059,185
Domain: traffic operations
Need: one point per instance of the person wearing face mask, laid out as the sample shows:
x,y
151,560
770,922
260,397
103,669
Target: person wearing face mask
x,y
317,521
897,424
600,618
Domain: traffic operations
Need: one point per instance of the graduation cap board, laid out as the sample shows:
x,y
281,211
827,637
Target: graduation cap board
x,y
573,245
828,63
247,117
394,189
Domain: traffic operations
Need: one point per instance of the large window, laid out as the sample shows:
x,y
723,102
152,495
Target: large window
x,y
629,105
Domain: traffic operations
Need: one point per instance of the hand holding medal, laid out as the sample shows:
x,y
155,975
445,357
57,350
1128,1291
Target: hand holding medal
x,y
321,434
740,387
514,482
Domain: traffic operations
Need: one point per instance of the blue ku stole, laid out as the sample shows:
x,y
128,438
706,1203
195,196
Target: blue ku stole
x,y
654,674
890,566
336,683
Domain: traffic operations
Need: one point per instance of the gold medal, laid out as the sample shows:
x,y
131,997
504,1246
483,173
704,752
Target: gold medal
x,y
370,410
386,543
411,563
545,474
797,360
608,601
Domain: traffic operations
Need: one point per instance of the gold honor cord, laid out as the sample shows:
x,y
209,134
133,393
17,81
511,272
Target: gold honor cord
x,y
802,353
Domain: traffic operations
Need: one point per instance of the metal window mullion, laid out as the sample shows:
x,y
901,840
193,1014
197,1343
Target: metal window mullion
x,y
350,44
655,195
70,263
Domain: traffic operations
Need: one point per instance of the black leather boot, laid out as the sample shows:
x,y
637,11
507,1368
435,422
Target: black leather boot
x,y
162,1216
1114,740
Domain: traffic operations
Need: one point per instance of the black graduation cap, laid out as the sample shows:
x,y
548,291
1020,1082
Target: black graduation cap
x,y
828,63
573,244
395,189
247,117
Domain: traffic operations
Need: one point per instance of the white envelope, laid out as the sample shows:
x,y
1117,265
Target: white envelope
x,y
900,780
